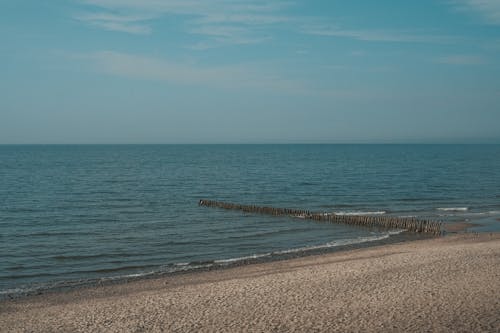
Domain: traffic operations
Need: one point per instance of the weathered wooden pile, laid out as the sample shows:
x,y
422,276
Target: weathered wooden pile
x,y
386,222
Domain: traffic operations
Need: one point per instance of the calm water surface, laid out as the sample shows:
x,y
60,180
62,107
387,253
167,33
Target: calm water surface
x,y
71,213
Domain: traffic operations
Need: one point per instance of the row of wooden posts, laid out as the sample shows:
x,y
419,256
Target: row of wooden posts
x,y
386,222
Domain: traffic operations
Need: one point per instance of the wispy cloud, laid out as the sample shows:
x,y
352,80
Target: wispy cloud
x,y
219,21
133,24
160,69
375,35
460,59
225,34
489,10
240,22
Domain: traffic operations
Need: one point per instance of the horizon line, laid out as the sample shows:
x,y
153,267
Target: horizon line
x,y
495,142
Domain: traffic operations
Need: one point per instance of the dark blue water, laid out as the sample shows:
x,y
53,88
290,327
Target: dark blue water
x,y
70,213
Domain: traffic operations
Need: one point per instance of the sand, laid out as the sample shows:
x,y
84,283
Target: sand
x,y
451,284
459,227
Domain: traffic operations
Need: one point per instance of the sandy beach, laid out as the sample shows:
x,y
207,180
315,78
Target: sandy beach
x,y
450,284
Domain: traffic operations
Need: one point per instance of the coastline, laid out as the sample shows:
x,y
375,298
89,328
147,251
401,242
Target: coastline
x,y
71,285
209,265
441,284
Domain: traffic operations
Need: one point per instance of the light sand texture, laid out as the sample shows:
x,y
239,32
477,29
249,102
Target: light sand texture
x,y
451,284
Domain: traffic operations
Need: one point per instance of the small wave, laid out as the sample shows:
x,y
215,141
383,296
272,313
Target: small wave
x,y
453,209
266,233
181,264
82,257
16,291
491,212
396,231
343,242
336,243
231,260
186,266
202,262
118,269
381,212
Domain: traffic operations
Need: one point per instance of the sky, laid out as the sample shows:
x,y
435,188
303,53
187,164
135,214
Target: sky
x,y
249,71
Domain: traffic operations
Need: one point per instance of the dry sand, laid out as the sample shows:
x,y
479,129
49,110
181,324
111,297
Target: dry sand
x,y
451,284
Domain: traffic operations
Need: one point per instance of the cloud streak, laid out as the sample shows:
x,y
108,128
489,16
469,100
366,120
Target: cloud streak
x,y
374,35
132,24
158,69
219,21
222,22
461,59
489,10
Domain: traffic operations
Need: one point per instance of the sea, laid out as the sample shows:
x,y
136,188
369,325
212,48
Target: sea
x,y
77,214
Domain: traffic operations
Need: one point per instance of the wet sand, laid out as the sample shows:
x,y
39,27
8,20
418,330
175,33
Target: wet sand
x,y
459,226
450,284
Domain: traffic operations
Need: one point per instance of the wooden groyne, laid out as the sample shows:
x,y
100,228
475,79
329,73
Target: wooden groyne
x,y
386,222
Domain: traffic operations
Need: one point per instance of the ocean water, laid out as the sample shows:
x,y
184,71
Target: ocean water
x,y
73,213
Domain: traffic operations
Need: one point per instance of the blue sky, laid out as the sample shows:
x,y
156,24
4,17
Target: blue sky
x,y
243,71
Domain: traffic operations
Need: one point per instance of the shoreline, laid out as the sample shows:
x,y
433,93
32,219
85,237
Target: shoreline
x,y
71,285
449,283
75,285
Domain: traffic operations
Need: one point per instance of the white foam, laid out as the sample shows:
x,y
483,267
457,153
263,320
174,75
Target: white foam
x,y
128,276
396,231
230,260
453,209
381,212
341,242
182,264
491,212
188,268
334,244
15,291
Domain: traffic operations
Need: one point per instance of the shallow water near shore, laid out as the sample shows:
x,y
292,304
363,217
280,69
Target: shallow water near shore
x,y
84,213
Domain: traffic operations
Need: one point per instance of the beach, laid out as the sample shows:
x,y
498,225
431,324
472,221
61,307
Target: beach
x,y
447,284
